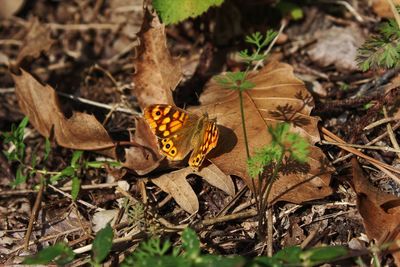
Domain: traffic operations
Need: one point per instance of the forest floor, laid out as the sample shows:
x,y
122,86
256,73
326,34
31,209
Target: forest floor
x,y
101,58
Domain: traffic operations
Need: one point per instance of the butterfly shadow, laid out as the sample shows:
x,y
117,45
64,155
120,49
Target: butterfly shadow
x,y
227,140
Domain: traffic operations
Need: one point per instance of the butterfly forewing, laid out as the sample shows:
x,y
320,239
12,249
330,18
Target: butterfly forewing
x,y
174,128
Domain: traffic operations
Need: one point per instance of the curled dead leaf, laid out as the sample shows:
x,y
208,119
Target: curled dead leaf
x,y
157,72
380,211
40,103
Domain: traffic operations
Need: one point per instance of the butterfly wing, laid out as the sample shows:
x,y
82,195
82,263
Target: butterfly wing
x,y
204,142
174,128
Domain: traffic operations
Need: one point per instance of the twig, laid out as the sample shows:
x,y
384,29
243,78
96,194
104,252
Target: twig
x,y
32,219
131,238
380,122
380,137
394,11
270,231
84,27
236,216
82,100
79,200
7,90
233,201
266,52
65,188
392,137
46,238
11,42
386,149
97,104
331,137
351,9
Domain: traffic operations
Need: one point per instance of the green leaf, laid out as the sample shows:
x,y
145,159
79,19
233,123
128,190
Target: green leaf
x,y
190,243
34,160
295,12
19,177
174,11
163,261
47,149
21,128
75,157
60,253
320,255
288,255
102,244
67,172
76,184
219,261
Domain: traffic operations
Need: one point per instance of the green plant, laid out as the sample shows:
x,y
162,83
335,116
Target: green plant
x,y
238,80
61,254
383,49
16,154
155,253
179,10
287,152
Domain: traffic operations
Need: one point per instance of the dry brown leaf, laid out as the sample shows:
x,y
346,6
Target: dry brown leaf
x,y
215,177
175,184
382,8
40,104
157,73
36,41
277,96
380,211
10,7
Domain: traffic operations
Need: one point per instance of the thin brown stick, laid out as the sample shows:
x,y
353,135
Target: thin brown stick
x,y
329,136
382,148
380,122
394,11
34,213
380,137
392,137
270,231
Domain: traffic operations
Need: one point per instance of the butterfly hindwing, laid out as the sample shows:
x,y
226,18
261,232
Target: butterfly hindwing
x,y
207,140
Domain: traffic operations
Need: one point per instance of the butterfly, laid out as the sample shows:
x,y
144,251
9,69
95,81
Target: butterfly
x,y
178,132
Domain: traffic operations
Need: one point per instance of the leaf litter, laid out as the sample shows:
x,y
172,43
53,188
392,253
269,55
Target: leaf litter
x,y
278,96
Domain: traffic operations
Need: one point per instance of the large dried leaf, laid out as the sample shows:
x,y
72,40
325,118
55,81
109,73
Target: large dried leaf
x,y
157,72
36,41
382,8
278,96
175,184
380,211
40,104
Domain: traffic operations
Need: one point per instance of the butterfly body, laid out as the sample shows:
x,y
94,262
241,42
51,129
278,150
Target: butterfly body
x,y
179,132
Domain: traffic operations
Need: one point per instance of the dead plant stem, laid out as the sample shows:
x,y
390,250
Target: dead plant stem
x,y
394,11
34,213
